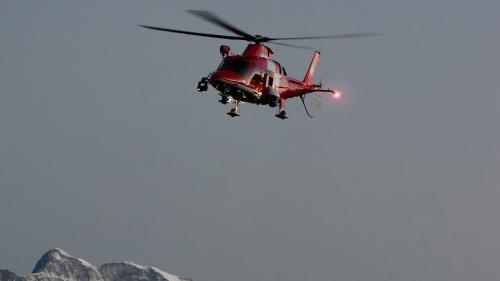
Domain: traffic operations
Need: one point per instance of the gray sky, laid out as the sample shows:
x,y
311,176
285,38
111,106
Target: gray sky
x,y
107,152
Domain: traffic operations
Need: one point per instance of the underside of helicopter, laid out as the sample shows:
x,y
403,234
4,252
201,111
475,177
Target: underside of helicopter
x,y
233,91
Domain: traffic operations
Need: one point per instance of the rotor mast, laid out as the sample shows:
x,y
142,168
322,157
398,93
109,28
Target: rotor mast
x,y
258,50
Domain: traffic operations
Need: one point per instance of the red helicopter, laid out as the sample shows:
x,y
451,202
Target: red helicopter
x,y
254,77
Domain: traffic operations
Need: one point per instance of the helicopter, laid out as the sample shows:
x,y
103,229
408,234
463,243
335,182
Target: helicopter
x,y
254,76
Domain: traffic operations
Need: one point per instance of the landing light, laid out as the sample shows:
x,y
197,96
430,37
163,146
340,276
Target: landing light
x,y
337,95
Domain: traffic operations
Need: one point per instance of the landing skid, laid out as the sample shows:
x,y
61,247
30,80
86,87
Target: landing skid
x,y
281,115
224,99
233,113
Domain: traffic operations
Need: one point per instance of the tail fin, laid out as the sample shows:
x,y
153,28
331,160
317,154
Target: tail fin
x,y
310,71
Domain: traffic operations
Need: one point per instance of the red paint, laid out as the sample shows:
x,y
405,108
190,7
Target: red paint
x,y
259,57
258,50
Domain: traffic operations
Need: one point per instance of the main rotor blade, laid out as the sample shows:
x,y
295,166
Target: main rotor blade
x,y
211,17
194,33
334,36
294,46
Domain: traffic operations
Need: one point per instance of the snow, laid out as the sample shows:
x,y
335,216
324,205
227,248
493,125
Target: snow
x,y
82,261
168,276
58,265
114,271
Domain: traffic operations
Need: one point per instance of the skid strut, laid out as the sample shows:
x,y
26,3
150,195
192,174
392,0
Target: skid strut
x,y
235,111
281,114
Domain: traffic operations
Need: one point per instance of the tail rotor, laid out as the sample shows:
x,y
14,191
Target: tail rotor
x,y
318,100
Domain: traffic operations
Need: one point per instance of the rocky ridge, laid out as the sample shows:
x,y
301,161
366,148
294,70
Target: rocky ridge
x,y
58,265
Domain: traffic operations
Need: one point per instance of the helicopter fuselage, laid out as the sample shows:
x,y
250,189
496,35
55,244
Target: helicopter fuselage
x,y
254,77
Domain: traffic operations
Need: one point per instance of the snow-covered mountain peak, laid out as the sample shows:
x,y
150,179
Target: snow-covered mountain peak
x,y
57,262
128,271
58,265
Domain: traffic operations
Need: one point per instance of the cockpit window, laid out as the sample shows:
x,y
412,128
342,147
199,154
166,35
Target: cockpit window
x,y
239,66
225,63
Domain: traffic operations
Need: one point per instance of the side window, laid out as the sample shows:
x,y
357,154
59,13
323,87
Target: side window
x,y
284,71
270,81
271,66
278,68
255,71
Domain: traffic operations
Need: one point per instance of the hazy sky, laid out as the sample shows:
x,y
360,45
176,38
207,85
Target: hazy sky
x,y
107,151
